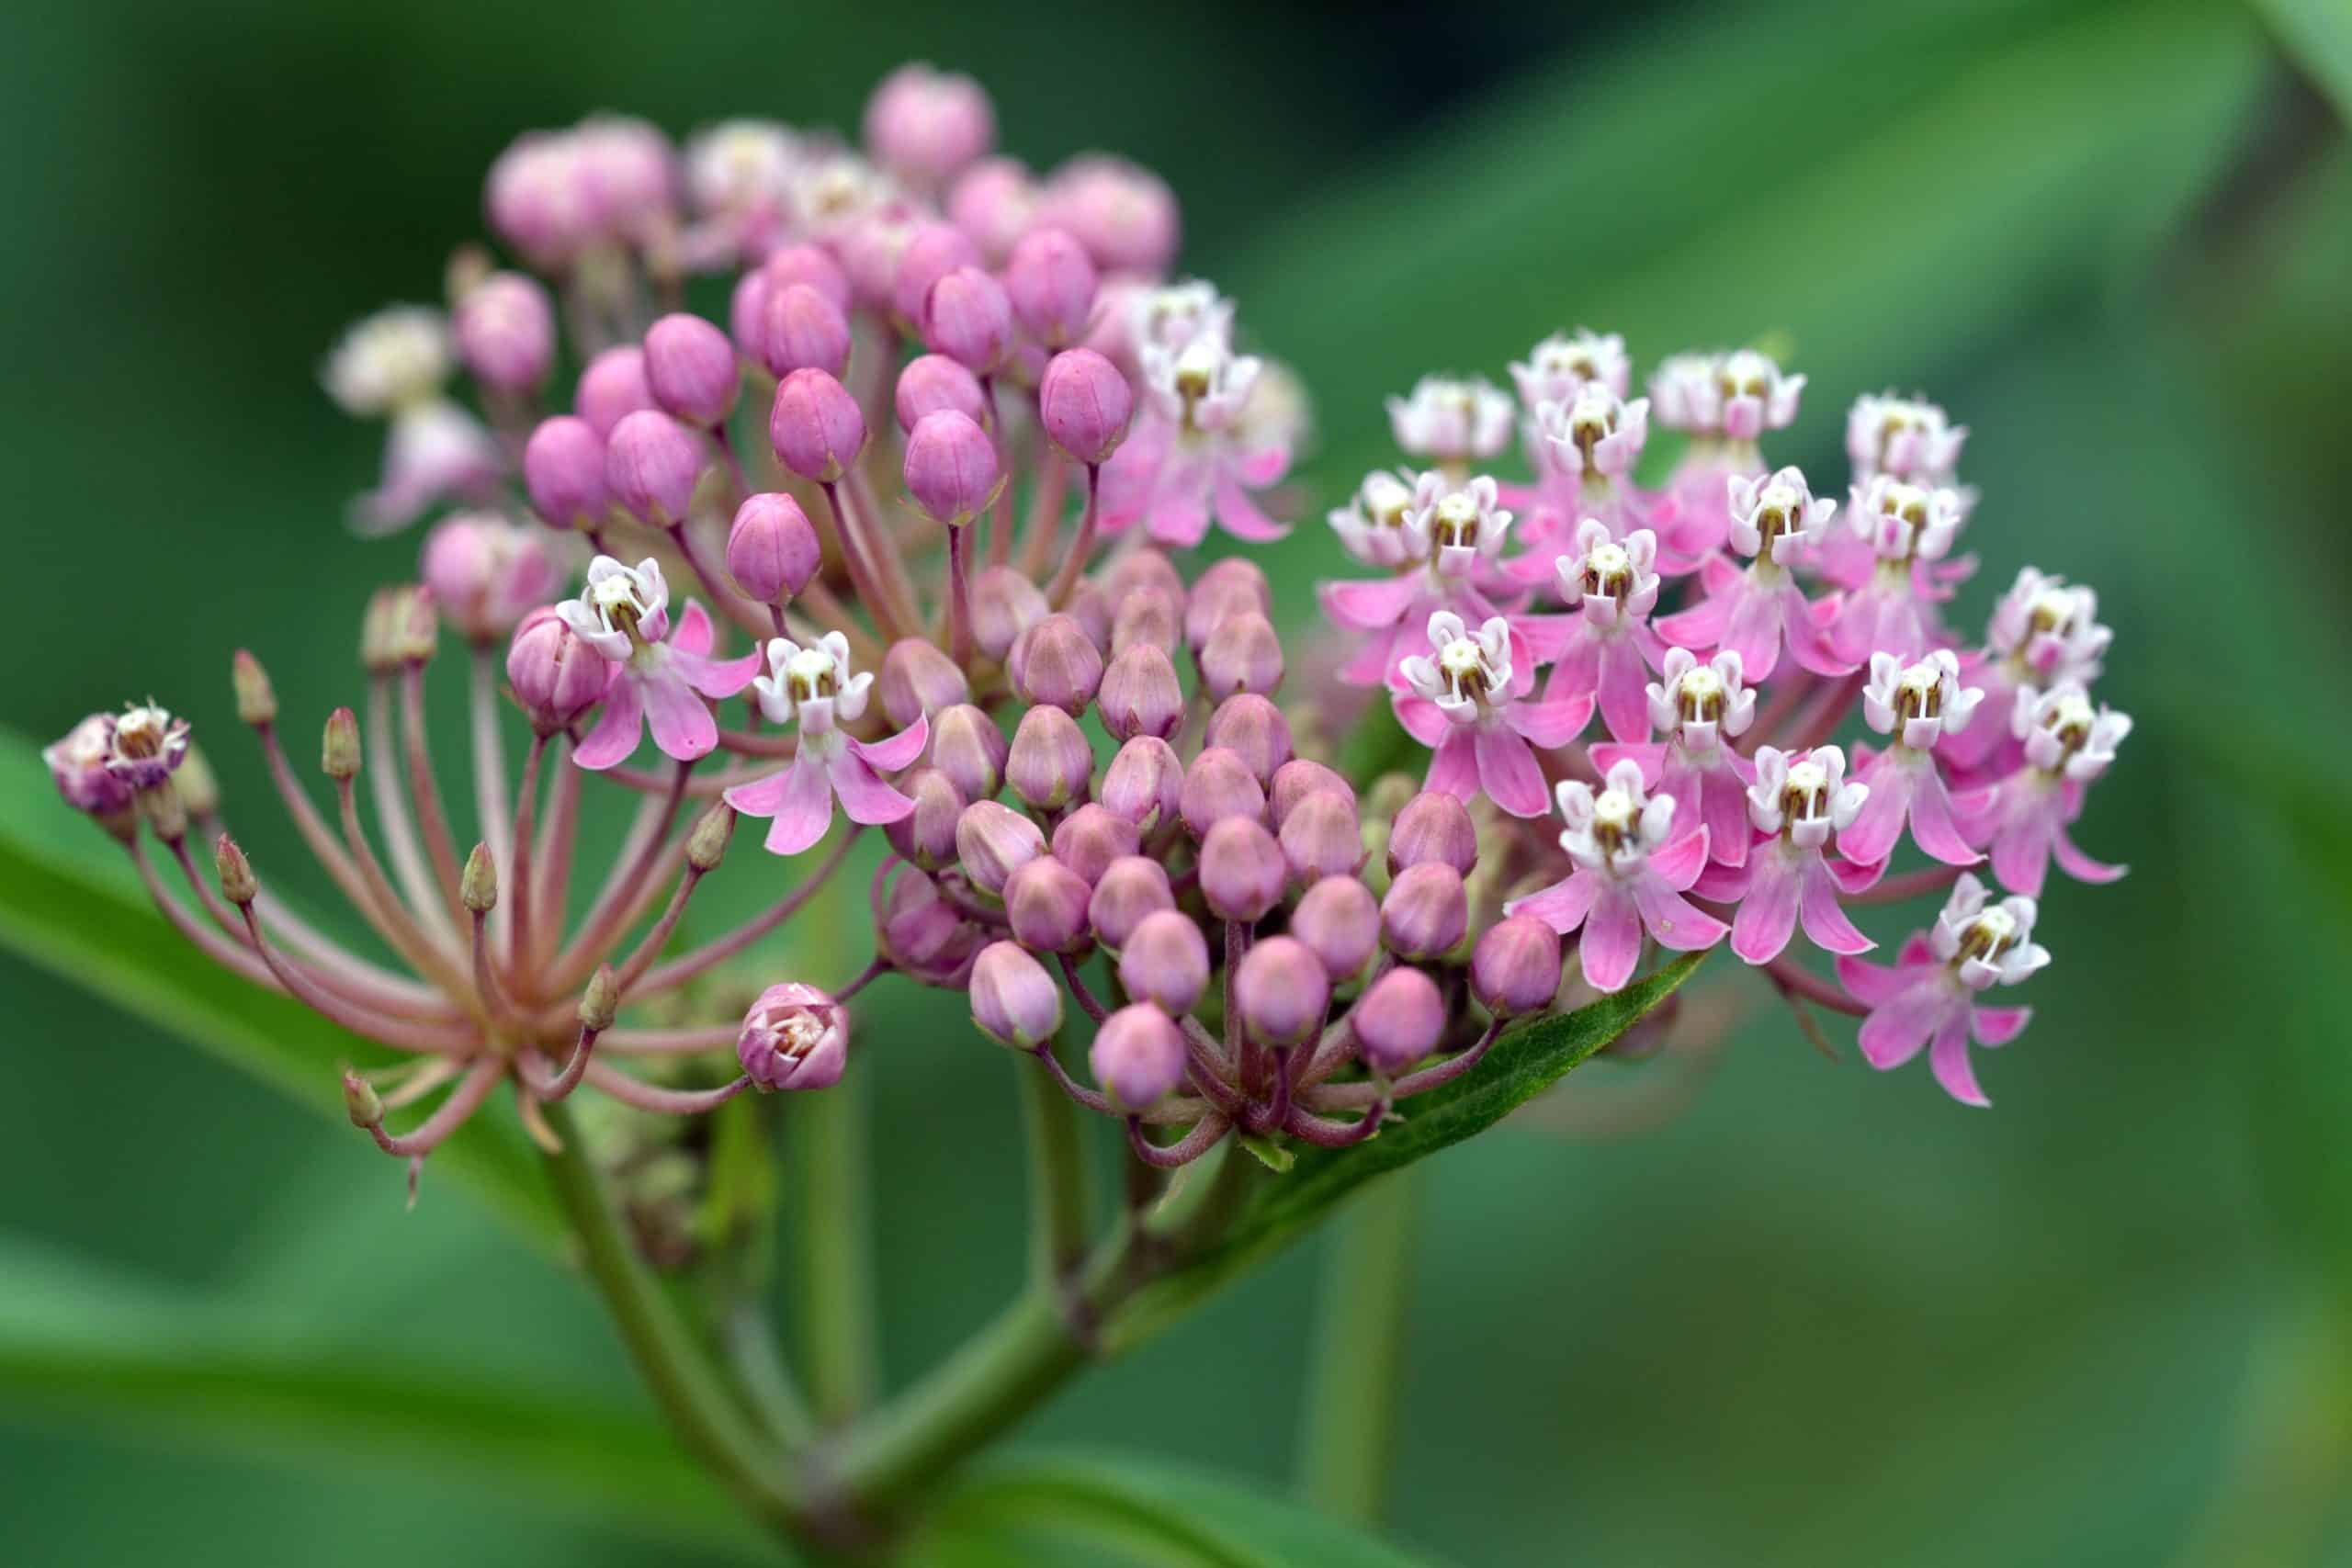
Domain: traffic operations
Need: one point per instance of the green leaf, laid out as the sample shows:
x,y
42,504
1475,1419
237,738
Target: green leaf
x,y
71,904
1033,1507
2317,36
1521,1065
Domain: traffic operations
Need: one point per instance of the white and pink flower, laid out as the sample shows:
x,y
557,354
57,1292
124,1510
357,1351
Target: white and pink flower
x,y
1928,999
660,672
1466,700
814,688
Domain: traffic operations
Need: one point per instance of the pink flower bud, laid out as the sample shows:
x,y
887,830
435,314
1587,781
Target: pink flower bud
x,y
1297,779
1253,729
1014,1001
1055,663
1137,1056
969,749
486,573
1433,826
1047,903
1515,969
1051,280
951,468
1283,990
967,317
505,332
1242,655
1426,912
1051,764
690,368
795,1036
924,124
869,244
1398,1021
555,677
932,382
930,253
1145,570
612,387
1322,838
1124,215
802,329
1141,695
1145,615
925,935
926,836
1165,960
1242,870
918,679
1231,586
563,468
815,427
994,201
1217,785
771,551
811,265
1093,611
651,462
747,315
1004,604
1130,889
993,841
1340,921
1090,838
1144,783
1085,404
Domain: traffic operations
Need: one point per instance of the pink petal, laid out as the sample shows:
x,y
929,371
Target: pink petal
x,y
713,677
1550,724
1803,621
2021,852
694,633
864,794
1455,766
1545,638
1677,864
761,797
1577,673
1421,719
1607,754
682,725
1895,1030
899,751
1723,806
1878,827
1950,1060
2080,866
1613,939
1854,876
1241,516
1873,985
1767,915
1997,1026
1932,827
1753,631
1369,604
1698,628
1721,884
1624,695
1564,905
805,810
618,729
1509,773
1264,467
1672,919
1825,919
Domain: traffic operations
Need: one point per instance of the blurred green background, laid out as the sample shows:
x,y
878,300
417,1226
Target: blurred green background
x,y
1731,1306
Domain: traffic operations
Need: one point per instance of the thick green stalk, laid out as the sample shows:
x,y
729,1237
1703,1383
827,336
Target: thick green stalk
x,y
1347,1433
828,1184
1059,1179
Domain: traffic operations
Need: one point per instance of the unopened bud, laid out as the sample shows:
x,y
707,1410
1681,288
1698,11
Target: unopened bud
x,y
1253,729
601,1002
1014,1001
918,679
1051,764
238,883
1144,783
1230,587
1137,1056
411,627
199,790
360,1101
1297,779
1047,902
1130,889
1338,920
1244,654
970,750
1515,969
1217,785
1090,838
926,836
1398,1021
1321,838
1427,911
1242,870
1165,960
993,841
1004,604
1283,990
257,699
478,888
165,813
1433,828
1055,664
706,845
1147,614
1141,695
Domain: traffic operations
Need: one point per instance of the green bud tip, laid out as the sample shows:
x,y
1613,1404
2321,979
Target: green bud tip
x,y
478,889
707,844
238,883
339,753
601,1000
364,1106
257,699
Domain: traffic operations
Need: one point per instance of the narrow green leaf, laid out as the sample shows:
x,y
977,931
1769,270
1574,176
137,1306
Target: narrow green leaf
x,y
2317,36
70,903
1522,1065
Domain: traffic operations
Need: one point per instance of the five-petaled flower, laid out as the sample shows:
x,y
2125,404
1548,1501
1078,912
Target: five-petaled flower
x,y
660,672
1930,994
813,687
1467,699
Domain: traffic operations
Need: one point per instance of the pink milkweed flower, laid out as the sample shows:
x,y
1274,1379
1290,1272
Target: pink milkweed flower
x,y
2023,819
1628,877
1909,438
2042,634
1886,558
1465,700
1929,995
1556,368
1605,649
1745,395
1916,704
1797,801
1698,708
146,745
1586,446
1169,317
1777,520
1444,539
1451,421
392,367
77,764
795,1036
814,686
661,672
1195,455
739,177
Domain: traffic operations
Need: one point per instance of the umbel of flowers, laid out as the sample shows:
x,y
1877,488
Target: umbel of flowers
x,y
900,537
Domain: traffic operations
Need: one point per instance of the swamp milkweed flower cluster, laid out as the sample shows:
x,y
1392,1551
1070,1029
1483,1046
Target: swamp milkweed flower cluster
x,y
900,537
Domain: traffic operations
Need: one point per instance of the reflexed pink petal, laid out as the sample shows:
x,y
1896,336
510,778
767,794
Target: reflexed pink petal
x,y
1721,884
1753,632
2080,866
1625,694
694,634
1550,724
864,794
1932,827
2021,853
1672,919
1613,939
1808,645
1854,876
1242,517
1767,915
1564,905
1824,920
715,677
805,810
1895,1031
1509,773
1369,604
1677,865
682,725
619,730
1953,1067
1544,636
1997,1026
1723,806
1264,467
1421,719
1698,628
899,751
761,797
1878,827
1651,756
1873,985
1455,766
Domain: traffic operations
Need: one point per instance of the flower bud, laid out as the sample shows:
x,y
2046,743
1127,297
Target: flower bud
x,y
1398,1021
994,201
505,330
1230,587
1051,281
1130,889
339,751
1014,1001
257,699
747,315
612,387
1165,960
1242,655
926,836
815,426
706,844
967,746
1137,1056
1340,922
930,253
924,124
1147,615
690,368
1281,989
951,468
1090,838
1145,782
1087,606
1051,764
1123,213
1253,729
932,383
1085,405
650,464
967,317
1426,912
1515,969
1146,571
811,264
918,679
795,1036
162,809
926,936
1055,664
1047,904
600,1002
360,1101
1141,695
478,885
1297,779
1242,870
199,789
486,573
556,678
803,329
563,470
993,841
772,550
1004,604
1433,827
238,883
1321,838
1217,785
404,628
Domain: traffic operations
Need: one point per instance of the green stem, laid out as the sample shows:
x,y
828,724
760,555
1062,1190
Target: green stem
x,y
1347,1434
825,1144
668,1357
1059,1185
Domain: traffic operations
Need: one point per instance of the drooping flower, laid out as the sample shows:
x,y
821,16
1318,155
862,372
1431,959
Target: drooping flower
x,y
1889,558
1929,995
795,1036
1630,876
1442,540
1466,700
2023,819
1916,704
1775,520
1195,455
1797,801
1698,708
1451,420
1604,649
664,671
1909,438
813,686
